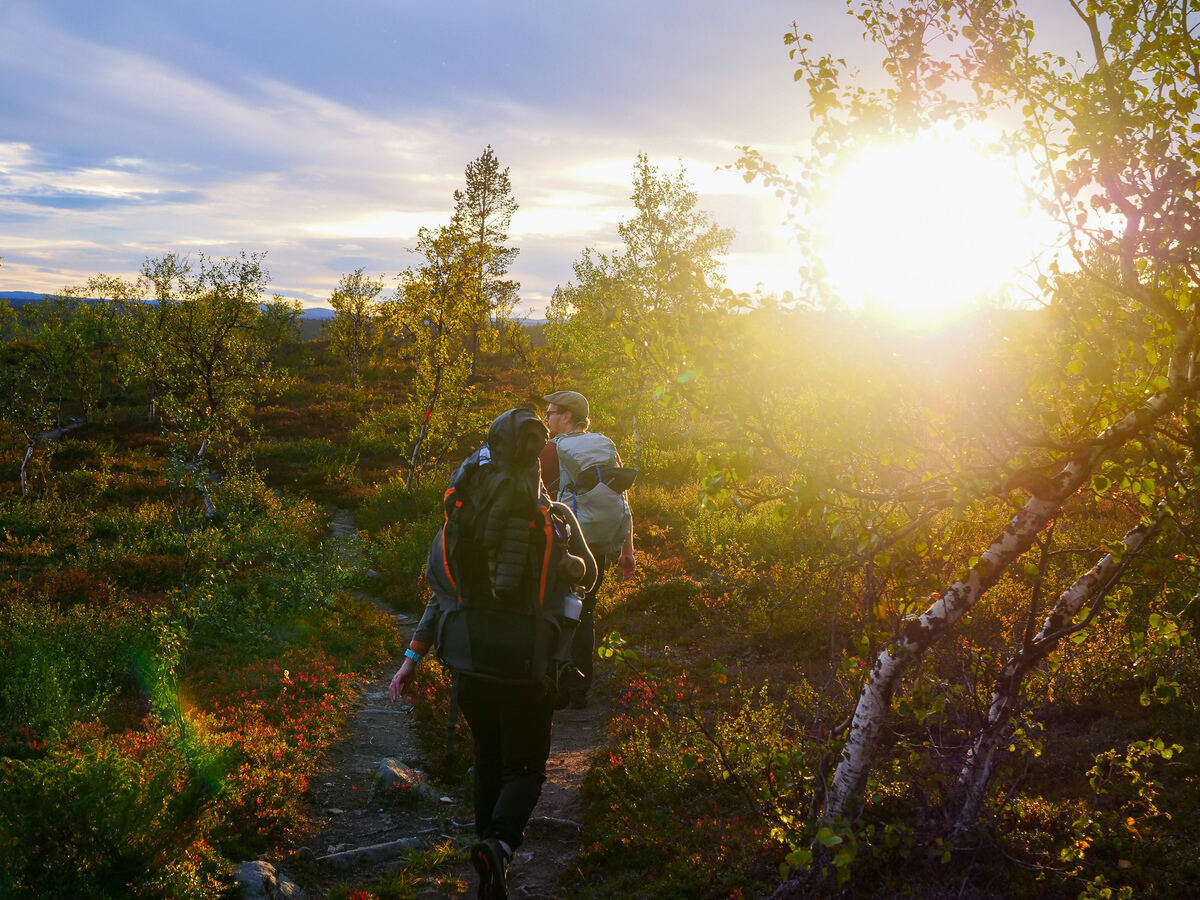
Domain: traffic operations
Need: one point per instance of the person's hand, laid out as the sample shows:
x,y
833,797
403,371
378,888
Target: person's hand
x,y
401,679
626,564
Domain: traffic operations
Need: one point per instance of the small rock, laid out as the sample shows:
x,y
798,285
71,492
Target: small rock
x,y
333,811
260,881
393,774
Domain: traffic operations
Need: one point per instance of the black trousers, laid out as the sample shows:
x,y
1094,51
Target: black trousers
x,y
583,647
511,729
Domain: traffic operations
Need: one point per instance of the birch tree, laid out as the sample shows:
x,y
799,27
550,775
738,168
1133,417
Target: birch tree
x,y
1106,134
631,319
199,343
434,309
279,325
25,410
356,332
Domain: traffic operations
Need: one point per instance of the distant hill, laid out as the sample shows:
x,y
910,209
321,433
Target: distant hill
x,y
20,298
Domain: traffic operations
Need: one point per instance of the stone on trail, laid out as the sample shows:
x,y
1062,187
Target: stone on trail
x,y
260,881
342,858
394,775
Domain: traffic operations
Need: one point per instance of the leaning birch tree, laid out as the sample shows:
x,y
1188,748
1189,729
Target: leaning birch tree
x,y
1107,134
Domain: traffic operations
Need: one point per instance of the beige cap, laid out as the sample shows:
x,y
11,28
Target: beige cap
x,y
572,400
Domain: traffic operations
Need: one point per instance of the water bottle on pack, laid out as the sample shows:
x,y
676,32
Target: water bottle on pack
x,y
572,607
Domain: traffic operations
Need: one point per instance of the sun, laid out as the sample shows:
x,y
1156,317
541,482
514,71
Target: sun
x,y
917,230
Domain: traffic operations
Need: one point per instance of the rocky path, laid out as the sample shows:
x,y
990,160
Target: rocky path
x,y
345,822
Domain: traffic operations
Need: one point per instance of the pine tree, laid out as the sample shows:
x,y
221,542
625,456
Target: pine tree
x,y
483,212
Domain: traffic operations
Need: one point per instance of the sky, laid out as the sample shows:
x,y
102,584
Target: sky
x,y
326,134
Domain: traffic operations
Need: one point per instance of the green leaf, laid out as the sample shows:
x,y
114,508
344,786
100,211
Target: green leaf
x,y
800,858
827,838
1101,483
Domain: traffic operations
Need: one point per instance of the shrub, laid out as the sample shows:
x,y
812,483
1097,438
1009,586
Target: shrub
x,y
60,666
381,431
701,781
108,816
399,524
394,504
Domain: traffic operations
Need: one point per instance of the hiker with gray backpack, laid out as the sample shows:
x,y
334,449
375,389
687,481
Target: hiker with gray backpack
x,y
583,470
507,572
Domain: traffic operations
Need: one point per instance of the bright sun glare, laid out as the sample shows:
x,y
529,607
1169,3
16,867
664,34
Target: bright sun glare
x,y
919,229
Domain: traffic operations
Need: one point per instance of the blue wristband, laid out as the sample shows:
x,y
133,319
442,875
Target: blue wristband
x,y
412,654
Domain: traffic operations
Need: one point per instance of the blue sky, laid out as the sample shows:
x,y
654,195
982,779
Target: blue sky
x,y
326,134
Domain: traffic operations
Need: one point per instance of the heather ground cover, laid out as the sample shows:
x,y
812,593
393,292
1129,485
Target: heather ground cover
x,y
169,680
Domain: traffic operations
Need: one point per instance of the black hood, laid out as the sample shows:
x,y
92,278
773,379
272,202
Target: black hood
x,y
515,438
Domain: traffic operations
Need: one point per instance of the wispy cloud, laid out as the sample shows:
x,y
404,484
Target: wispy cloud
x,y
138,153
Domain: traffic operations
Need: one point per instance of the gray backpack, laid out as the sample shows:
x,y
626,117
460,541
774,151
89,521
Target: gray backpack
x,y
593,483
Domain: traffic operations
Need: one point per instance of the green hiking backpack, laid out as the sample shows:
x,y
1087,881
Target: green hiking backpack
x,y
593,482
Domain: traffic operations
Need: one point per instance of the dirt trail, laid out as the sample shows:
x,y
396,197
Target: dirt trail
x,y
543,866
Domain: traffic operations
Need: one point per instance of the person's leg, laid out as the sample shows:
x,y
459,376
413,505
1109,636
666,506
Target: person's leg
x,y
583,647
526,721
480,704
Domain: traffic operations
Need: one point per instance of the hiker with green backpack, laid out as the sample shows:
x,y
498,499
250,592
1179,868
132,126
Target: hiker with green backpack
x,y
582,470
507,572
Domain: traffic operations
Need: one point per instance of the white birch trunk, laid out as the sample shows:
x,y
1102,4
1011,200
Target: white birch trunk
x,y
973,780
24,465
906,648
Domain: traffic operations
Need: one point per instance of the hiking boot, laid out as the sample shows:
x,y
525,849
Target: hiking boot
x,y
491,862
